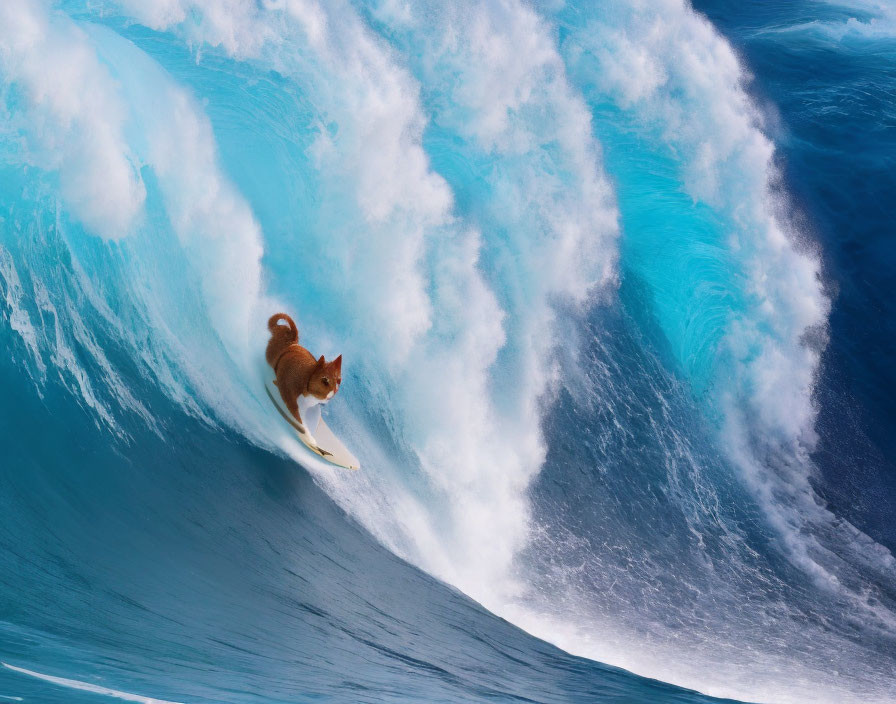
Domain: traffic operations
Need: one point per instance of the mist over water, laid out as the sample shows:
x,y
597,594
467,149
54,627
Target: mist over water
x,y
584,319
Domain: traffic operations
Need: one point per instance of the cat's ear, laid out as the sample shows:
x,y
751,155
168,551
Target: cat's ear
x,y
337,363
320,362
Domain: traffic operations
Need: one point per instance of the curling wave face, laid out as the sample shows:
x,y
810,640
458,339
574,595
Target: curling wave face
x,y
582,336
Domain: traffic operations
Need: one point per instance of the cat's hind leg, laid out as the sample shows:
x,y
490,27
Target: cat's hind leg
x,y
292,404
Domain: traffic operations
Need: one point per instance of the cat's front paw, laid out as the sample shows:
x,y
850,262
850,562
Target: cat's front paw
x,y
317,448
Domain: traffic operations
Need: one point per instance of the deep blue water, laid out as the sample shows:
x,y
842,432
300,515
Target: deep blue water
x,y
204,569
612,284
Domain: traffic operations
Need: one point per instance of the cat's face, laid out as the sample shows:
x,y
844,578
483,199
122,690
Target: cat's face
x,y
326,378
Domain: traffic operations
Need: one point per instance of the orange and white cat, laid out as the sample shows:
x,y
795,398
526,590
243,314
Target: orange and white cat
x,y
302,380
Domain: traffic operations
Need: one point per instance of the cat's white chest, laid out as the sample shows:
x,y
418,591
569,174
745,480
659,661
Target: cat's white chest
x,y
310,418
307,401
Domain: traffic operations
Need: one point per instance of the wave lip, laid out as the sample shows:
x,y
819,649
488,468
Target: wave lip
x,y
72,117
423,304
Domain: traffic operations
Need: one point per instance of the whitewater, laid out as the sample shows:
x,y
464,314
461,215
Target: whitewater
x,y
590,337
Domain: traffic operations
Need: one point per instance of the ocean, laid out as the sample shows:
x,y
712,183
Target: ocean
x,y
611,284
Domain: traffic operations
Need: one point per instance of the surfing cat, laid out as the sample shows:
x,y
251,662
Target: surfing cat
x,y
302,380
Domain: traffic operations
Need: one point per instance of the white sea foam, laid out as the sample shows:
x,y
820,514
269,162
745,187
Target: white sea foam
x,y
65,360
213,222
551,214
72,118
61,332
84,687
670,71
421,306
876,20
18,318
508,99
695,89
93,130
431,300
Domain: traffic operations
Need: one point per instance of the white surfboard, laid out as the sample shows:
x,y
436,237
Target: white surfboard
x,y
328,445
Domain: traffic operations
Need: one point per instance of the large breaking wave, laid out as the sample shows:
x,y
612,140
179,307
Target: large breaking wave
x,y
581,322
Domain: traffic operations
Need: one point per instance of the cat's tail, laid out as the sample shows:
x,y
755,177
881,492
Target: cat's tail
x,y
274,327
